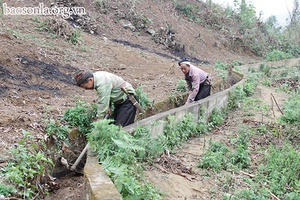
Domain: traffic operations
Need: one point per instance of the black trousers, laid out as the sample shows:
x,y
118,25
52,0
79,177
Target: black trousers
x,y
124,114
204,91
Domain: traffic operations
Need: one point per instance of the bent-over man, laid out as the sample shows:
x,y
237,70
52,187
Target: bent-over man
x,y
109,88
198,81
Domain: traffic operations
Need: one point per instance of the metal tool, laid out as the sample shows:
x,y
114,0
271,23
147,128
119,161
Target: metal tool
x,y
86,148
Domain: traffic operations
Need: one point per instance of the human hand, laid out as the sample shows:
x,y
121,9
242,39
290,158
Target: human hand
x,y
109,112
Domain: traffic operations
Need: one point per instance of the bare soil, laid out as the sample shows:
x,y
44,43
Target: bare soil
x,y
36,76
178,175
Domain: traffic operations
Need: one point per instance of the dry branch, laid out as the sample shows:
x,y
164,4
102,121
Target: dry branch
x,y
276,103
273,195
245,173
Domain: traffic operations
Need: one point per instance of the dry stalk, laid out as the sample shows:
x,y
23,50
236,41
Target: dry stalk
x,y
273,195
276,103
272,106
245,173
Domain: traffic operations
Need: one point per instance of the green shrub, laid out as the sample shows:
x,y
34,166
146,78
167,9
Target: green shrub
x,y
181,86
282,169
26,166
215,157
81,116
291,110
143,98
222,69
59,132
118,153
216,118
276,55
247,194
235,98
178,132
249,87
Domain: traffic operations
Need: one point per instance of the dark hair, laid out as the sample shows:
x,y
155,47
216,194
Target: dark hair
x,y
82,76
183,60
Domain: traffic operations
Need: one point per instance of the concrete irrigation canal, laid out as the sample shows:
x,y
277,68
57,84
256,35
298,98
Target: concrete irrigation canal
x,y
98,184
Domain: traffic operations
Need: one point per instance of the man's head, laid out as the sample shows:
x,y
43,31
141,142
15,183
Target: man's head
x,y
85,79
184,65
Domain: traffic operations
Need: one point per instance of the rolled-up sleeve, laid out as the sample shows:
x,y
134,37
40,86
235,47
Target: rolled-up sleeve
x,y
103,102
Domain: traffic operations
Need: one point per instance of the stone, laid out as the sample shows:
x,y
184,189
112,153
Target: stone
x,y
127,24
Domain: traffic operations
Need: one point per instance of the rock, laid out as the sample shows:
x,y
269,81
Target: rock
x,y
151,31
127,24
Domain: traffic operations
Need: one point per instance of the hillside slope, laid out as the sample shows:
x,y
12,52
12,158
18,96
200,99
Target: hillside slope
x,y
39,55
37,58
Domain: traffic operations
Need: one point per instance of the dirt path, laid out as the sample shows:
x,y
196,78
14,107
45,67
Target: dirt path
x,y
36,72
197,184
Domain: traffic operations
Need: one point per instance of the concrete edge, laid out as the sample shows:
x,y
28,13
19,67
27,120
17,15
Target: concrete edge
x,y
214,101
98,184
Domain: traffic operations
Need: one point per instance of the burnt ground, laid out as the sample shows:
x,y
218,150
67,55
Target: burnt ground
x,y
36,67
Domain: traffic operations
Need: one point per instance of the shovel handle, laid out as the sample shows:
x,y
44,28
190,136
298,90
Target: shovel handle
x,y
87,146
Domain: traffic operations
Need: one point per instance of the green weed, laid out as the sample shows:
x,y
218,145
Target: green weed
x,y
181,86
216,118
236,63
80,116
180,131
265,69
291,110
27,163
222,69
282,169
188,10
220,157
59,132
247,194
215,157
235,98
6,189
153,145
251,106
177,98
118,153
240,156
75,37
249,87
143,98
276,55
